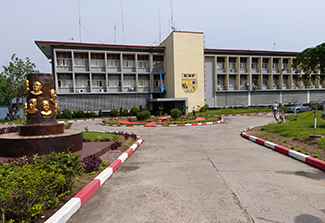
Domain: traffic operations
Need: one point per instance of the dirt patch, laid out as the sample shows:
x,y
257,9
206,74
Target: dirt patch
x,y
301,145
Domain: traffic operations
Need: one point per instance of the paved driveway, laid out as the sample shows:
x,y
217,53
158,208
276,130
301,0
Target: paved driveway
x,y
206,174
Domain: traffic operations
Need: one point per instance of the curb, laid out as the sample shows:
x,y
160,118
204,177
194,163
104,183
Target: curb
x,y
286,151
177,125
75,203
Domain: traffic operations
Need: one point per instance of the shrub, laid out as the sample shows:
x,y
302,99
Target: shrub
x,y
67,113
121,111
80,114
143,115
58,116
175,113
92,114
125,112
92,163
74,114
30,185
114,113
100,113
134,110
140,108
204,108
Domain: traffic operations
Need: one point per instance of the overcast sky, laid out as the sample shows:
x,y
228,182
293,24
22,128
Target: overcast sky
x,y
292,25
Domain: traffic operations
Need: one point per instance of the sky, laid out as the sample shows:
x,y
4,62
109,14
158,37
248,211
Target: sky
x,y
281,25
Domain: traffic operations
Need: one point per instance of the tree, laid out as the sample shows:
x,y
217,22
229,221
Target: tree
x,y
12,88
311,63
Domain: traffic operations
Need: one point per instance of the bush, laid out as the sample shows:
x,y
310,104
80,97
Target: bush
x,y
125,112
114,113
67,113
175,113
80,114
74,114
100,113
30,185
92,163
92,114
143,115
121,111
204,108
58,116
134,110
140,108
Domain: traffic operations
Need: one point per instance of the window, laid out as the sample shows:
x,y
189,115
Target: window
x,y
275,64
143,81
220,63
232,63
265,64
113,60
232,80
98,80
81,60
276,80
243,80
64,59
255,80
114,80
285,79
265,80
221,81
255,63
157,80
65,81
82,80
97,60
158,61
243,63
129,80
128,61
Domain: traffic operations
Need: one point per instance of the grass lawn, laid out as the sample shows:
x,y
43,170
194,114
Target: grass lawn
x,y
93,136
300,128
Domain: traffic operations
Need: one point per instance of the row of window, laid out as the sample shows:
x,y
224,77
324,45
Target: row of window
x,y
256,82
99,80
64,59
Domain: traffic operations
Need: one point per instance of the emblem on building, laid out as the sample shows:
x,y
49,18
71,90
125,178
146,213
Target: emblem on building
x,y
189,82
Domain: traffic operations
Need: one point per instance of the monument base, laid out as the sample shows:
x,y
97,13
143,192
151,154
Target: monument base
x,y
14,145
40,129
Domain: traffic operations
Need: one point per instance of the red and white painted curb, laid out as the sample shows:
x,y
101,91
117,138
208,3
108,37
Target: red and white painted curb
x,y
176,125
74,204
289,152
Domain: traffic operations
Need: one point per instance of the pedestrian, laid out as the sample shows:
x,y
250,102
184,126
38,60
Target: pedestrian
x,y
275,109
194,111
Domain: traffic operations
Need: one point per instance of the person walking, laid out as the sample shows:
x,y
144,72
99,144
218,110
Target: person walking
x,y
275,109
194,111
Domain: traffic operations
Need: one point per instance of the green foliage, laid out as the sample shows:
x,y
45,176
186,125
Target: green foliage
x,y
114,113
100,113
125,112
27,189
94,136
311,62
143,115
12,88
134,110
80,114
68,125
140,108
67,113
121,111
175,113
58,116
205,108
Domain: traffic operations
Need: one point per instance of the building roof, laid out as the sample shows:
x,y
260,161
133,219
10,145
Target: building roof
x,y
249,52
46,47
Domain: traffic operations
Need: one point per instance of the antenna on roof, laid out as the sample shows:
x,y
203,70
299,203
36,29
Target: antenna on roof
x,y
115,32
79,21
122,23
172,25
159,29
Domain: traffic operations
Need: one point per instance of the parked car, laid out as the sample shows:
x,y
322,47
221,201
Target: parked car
x,y
320,105
302,107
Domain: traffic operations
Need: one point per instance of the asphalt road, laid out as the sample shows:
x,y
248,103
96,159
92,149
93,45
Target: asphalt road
x,y
206,174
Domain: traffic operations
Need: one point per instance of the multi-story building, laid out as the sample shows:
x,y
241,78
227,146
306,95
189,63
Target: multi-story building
x,y
102,76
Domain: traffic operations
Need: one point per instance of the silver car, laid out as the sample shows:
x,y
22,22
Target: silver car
x,y
300,108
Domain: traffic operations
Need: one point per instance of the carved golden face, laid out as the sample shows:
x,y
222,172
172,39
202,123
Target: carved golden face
x,y
32,103
46,105
37,86
53,94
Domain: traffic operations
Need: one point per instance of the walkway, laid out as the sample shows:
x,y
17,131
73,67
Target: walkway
x,y
206,174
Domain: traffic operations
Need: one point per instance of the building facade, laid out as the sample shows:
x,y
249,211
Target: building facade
x,y
101,76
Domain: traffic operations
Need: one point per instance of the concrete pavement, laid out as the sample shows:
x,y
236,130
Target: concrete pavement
x,y
206,174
